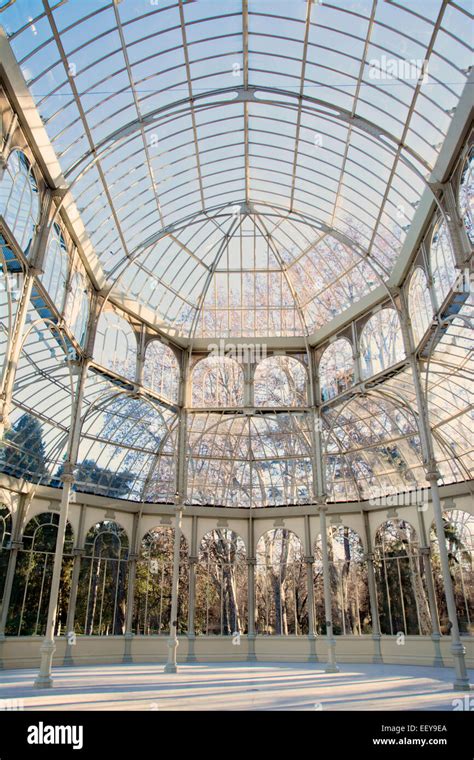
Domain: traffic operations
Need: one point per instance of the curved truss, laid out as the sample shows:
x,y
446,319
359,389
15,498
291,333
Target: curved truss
x,y
160,115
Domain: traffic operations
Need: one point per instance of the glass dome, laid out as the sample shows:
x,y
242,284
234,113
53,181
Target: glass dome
x,y
236,347
243,169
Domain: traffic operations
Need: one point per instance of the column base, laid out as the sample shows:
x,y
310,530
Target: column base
x,y
461,678
331,666
462,686
312,657
251,656
438,660
377,658
172,663
127,655
43,682
191,656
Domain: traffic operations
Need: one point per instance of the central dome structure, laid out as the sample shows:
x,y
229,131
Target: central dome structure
x,y
241,273
236,351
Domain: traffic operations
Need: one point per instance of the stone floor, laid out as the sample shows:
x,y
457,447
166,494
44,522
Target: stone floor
x,y
235,686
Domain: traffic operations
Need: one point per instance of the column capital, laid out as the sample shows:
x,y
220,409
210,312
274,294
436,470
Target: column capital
x,y
78,551
432,472
34,271
309,559
251,561
133,556
193,560
67,475
16,545
320,501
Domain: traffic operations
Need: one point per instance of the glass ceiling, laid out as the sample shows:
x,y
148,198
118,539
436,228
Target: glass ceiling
x,y
244,168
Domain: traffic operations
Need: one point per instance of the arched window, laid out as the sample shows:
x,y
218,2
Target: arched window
x,y
466,195
442,262
161,371
217,381
116,345
349,583
29,601
419,304
459,537
336,369
280,381
5,538
241,460
103,580
401,587
381,343
19,199
152,603
124,439
221,584
76,311
280,584
56,265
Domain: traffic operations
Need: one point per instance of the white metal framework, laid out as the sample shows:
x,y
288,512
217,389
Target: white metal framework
x,y
236,256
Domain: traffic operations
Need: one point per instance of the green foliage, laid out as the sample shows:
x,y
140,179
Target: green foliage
x,y
90,478
33,574
23,455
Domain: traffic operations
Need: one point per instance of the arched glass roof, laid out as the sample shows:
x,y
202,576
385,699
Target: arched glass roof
x,y
244,168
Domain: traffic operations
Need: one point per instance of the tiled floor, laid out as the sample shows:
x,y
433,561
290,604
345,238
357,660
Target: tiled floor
x,y
234,686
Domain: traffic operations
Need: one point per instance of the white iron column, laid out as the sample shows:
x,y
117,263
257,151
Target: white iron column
x,y
309,561
374,609
319,476
331,666
78,553
132,572
461,681
425,553
251,563
181,479
192,559
44,679
171,665
38,253
458,650
6,391
15,546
